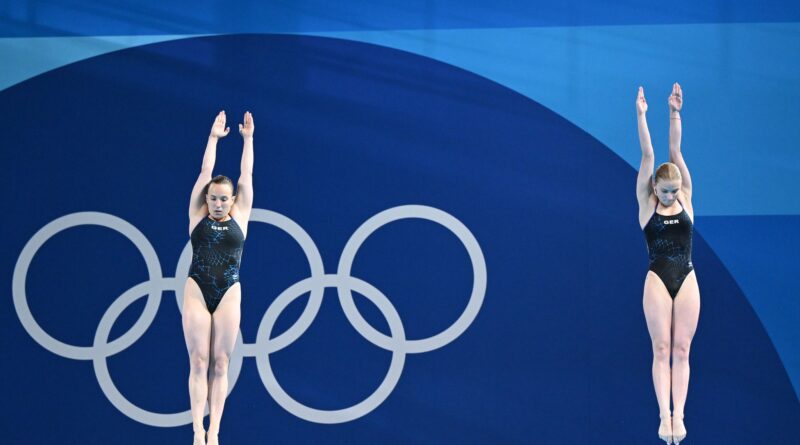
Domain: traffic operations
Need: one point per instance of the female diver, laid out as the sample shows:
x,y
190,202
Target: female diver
x,y
671,296
211,300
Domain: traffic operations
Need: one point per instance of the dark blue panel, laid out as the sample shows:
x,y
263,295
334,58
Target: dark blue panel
x,y
128,17
559,353
761,253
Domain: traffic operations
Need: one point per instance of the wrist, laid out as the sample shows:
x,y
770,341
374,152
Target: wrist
x,y
212,137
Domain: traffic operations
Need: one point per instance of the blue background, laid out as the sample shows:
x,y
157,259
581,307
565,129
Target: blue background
x,y
518,120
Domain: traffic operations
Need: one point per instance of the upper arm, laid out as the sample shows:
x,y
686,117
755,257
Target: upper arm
x,y
644,190
197,200
644,180
686,201
676,157
244,196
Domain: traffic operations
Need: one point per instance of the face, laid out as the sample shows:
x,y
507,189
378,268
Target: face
x,y
667,190
219,199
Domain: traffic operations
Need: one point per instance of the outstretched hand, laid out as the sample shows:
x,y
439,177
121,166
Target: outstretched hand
x,y
676,98
218,129
248,127
641,103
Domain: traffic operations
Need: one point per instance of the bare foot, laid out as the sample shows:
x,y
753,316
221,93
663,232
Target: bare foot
x,y
665,429
678,428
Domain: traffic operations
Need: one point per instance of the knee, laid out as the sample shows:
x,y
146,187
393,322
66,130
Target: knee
x,y
198,363
661,351
680,351
221,365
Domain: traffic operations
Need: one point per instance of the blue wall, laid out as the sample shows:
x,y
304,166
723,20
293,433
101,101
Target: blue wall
x,y
517,121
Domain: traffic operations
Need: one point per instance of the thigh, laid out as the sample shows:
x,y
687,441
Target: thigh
x,y
657,309
225,322
687,310
196,320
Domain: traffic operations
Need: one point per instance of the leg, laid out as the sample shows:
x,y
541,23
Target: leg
x,y
685,315
225,323
658,313
197,333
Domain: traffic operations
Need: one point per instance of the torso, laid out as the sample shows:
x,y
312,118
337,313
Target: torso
x,y
218,240
216,257
669,247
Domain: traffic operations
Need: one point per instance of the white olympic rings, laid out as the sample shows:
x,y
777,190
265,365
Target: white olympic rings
x,y
264,345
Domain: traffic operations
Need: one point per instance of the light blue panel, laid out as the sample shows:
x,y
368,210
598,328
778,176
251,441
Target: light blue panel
x,y
26,57
741,84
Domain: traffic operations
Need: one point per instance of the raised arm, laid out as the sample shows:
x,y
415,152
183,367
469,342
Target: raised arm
x,y
197,201
675,129
244,193
643,181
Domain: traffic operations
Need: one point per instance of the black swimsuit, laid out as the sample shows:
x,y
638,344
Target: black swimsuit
x,y
669,243
216,256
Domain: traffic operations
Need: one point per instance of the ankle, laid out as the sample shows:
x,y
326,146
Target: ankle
x,y
665,415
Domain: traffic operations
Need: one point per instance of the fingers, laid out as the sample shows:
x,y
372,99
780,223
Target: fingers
x,y
219,123
248,122
676,90
220,119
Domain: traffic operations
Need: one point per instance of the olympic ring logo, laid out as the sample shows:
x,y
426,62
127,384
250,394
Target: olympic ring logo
x,y
396,343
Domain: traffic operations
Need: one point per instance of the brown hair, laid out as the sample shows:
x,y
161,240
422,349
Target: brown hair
x,y
667,171
219,179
